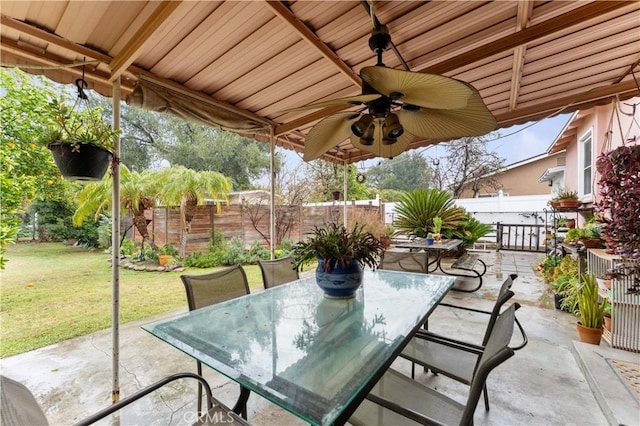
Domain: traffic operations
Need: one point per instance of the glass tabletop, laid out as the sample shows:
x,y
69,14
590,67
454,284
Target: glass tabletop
x,y
420,243
308,354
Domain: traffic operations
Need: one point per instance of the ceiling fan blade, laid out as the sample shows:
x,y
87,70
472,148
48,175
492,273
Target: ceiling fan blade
x,y
328,133
381,150
473,120
350,100
426,90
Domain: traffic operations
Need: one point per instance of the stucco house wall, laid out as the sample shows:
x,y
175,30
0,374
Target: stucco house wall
x,y
609,125
522,178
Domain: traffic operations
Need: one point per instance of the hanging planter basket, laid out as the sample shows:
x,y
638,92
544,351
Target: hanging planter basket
x,y
81,161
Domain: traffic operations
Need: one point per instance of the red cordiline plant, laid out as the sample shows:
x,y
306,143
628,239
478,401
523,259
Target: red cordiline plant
x,y
619,205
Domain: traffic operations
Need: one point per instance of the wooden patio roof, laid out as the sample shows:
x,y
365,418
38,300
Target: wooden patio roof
x,y
256,59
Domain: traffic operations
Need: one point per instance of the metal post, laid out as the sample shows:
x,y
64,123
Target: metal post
x,y
272,207
115,245
344,191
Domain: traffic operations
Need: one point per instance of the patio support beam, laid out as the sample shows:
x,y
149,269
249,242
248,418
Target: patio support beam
x,y
141,38
596,96
50,60
283,12
525,9
115,247
272,195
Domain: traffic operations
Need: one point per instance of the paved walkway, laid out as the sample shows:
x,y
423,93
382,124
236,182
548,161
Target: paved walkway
x,y
542,384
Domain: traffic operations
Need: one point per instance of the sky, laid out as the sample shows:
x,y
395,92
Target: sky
x,y
515,144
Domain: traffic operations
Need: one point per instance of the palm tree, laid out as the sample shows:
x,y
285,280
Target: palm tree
x,y
417,209
137,193
188,188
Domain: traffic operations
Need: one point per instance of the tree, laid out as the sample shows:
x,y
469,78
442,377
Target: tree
x,y
203,148
328,177
27,170
406,172
292,188
188,189
468,164
138,192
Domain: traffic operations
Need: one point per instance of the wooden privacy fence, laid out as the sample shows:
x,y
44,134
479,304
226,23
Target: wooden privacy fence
x,y
238,221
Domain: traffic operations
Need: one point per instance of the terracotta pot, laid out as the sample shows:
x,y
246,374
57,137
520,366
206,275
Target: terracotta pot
x,y
607,322
588,335
591,243
163,259
571,223
570,203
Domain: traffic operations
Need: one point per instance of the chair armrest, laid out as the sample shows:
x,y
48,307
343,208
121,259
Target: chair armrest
x,y
146,391
525,339
403,411
447,341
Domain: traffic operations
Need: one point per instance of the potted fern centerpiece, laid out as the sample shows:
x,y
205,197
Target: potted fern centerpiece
x,y
341,255
80,140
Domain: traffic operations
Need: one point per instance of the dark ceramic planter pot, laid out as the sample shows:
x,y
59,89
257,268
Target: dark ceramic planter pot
x,y
340,282
88,163
557,301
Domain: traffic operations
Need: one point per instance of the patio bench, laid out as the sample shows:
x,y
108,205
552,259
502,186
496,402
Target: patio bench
x,y
473,267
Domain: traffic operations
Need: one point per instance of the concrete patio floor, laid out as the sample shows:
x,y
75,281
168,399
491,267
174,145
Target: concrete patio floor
x,y
543,384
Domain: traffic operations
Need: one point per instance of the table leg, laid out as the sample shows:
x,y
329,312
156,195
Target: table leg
x,y
241,405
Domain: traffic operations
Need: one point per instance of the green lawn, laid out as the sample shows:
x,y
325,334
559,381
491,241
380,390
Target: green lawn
x,y
51,292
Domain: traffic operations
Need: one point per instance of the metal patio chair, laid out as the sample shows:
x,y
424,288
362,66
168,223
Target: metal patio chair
x,y
214,287
278,271
20,407
455,358
404,261
397,399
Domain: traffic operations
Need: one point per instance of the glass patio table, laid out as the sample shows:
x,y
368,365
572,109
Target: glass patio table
x,y
436,249
315,357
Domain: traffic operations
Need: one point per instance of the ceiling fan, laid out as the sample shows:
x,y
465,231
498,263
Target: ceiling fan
x,y
398,106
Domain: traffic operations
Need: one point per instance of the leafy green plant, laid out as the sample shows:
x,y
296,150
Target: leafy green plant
x,y
417,209
257,252
437,225
469,231
235,252
590,310
127,247
336,244
167,249
567,195
78,126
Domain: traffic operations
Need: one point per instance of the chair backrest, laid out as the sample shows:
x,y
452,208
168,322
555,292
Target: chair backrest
x,y
18,405
495,353
278,271
404,261
504,295
218,286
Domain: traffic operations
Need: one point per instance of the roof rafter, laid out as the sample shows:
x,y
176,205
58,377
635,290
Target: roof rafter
x,y
283,12
525,9
595,96
145,33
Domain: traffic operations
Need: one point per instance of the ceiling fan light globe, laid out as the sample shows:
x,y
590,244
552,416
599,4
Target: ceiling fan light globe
x,y
363,126
392,129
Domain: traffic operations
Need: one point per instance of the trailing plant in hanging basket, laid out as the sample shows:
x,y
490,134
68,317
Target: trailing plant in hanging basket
x,y
80,139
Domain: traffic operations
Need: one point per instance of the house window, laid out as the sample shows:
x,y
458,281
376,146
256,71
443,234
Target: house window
x,y
585,164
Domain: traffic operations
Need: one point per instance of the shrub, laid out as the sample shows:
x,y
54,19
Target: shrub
x,y
235,252
257,252
417,209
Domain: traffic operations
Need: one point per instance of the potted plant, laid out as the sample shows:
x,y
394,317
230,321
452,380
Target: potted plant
x,y
607,316
165,254
341,256
569,200
437,228
429,239
81,141
591,311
